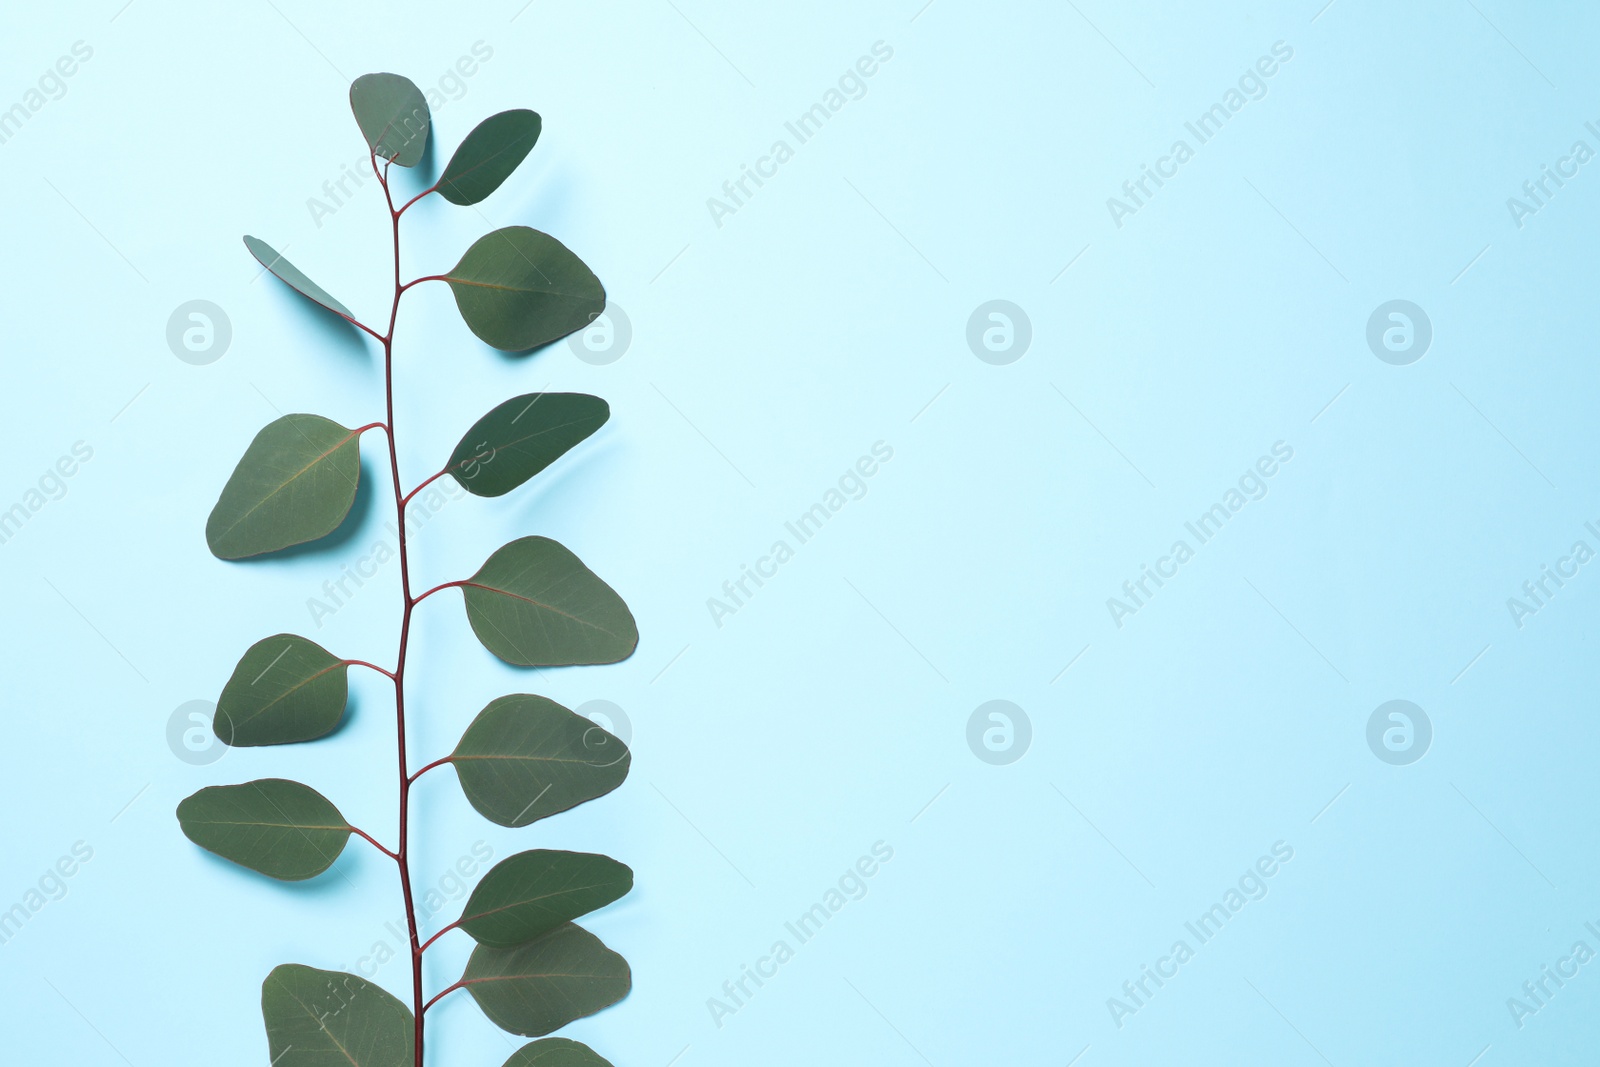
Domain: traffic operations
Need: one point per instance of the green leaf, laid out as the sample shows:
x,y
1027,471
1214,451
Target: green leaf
x,y
283,829
522,437
534,892
535,604
525,758
292,275
518,289
393,116
332,1019
488,156
296,483
546,984
556,1052
285,689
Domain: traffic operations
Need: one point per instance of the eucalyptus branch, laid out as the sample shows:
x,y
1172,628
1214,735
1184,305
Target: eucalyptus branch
x,y
532,603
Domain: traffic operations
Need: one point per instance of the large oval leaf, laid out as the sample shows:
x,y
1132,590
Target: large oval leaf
x,y
534,892
332,1019
546,984
294,277
488,156
556,1052
518,288
283,829
295,483
393,116
525,757
535,604
522,437
285,689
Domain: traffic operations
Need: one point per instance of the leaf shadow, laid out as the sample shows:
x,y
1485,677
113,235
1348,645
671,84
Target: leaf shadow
x,y
548,486
335,330
352,712
427,166
333,880
556,187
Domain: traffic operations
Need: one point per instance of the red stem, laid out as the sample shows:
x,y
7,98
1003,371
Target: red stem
x,y
419,281
372,841
437,936
437,589
431,766
440,995
373,666
405,206
430,480
360,325
407,603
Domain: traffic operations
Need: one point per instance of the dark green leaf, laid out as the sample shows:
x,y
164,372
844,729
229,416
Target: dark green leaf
x,y
532,893
488,156
332,1019
522,437
535,604
285,689
525,757
283,829
393,116
295,483
556,1052
292,275
546,984
518,288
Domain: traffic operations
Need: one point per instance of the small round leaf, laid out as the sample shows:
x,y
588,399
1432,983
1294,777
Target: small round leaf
x,y
534,892
285,689
283,829
544,985
526,757
488,156
295,483
518,289
535,604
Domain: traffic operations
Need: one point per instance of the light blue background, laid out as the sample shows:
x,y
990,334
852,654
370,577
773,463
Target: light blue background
x,y
768,354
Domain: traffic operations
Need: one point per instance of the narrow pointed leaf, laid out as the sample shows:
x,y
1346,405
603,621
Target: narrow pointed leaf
x,y
283,829
296,483
393,116
532,893
294,277
556,1052
522,437
488,156
518,289
535,604
285,689
525,757
332,1019
546,984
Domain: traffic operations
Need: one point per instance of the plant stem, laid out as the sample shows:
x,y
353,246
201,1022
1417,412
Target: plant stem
x,y
402,854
